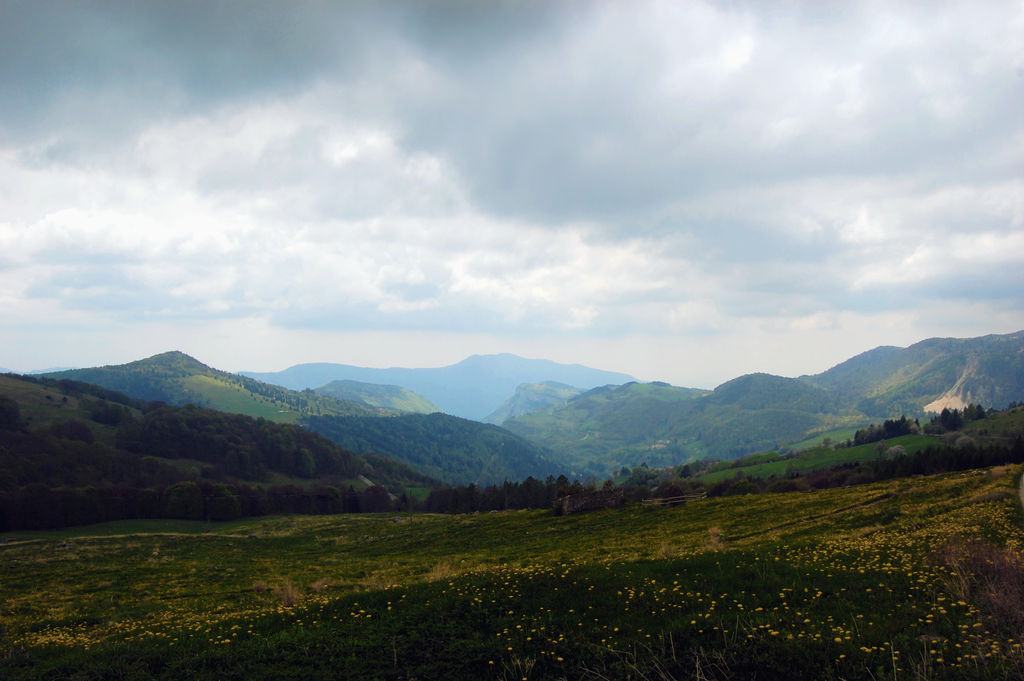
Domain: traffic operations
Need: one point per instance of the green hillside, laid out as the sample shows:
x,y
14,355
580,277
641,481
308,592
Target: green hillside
x,y
915,578
41,403
390,397
531,397
176,378
887,381
71,453
755,392
605,429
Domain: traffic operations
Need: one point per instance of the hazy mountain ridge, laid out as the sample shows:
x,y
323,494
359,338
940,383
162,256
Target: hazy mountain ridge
x,y
472,388
610,426
391,397
531,397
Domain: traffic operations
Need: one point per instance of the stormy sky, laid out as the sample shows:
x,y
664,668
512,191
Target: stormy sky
x,y
682,191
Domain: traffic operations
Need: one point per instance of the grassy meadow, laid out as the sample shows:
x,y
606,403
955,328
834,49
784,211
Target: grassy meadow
x,y
814,459
916,578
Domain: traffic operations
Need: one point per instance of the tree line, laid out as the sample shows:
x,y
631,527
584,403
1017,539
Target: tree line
x,y
40,507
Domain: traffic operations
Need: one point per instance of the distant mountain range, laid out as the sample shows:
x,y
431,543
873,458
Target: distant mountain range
x,y
659,424
35,372
577,419
456,450
472,389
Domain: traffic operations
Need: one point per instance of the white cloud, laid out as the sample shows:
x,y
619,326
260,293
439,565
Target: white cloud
x,y
558,176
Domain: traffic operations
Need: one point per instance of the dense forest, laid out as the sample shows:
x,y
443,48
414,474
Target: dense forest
x,y
445,447
107,457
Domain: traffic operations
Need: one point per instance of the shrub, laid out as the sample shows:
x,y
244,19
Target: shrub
x,y
10,414
715,541
73,429
744,486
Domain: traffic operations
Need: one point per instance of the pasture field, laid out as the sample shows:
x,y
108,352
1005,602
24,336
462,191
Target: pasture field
x,y
229,398
916,578
815,441
820,458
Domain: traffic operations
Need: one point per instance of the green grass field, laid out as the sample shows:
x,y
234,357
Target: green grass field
x,y
838,435
915,578
232,398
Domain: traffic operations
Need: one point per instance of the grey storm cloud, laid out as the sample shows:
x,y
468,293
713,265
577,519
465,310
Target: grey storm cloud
x,y
177,54
554,112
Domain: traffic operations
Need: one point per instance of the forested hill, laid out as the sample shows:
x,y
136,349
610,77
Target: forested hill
x,y
445,447
605,429
931,375
82,440
176,378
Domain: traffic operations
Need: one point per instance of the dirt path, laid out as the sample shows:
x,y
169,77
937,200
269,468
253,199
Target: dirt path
x,y
836,511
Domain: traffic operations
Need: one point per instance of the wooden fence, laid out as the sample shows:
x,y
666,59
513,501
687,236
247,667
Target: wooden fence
x,y
672,501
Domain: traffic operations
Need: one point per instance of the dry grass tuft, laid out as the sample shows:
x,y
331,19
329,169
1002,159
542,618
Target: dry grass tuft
x,y
990,576
665,550
442,570
990,495
288,594
715,541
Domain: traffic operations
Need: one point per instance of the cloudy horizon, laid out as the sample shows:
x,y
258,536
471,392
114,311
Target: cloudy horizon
x,y
678,191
